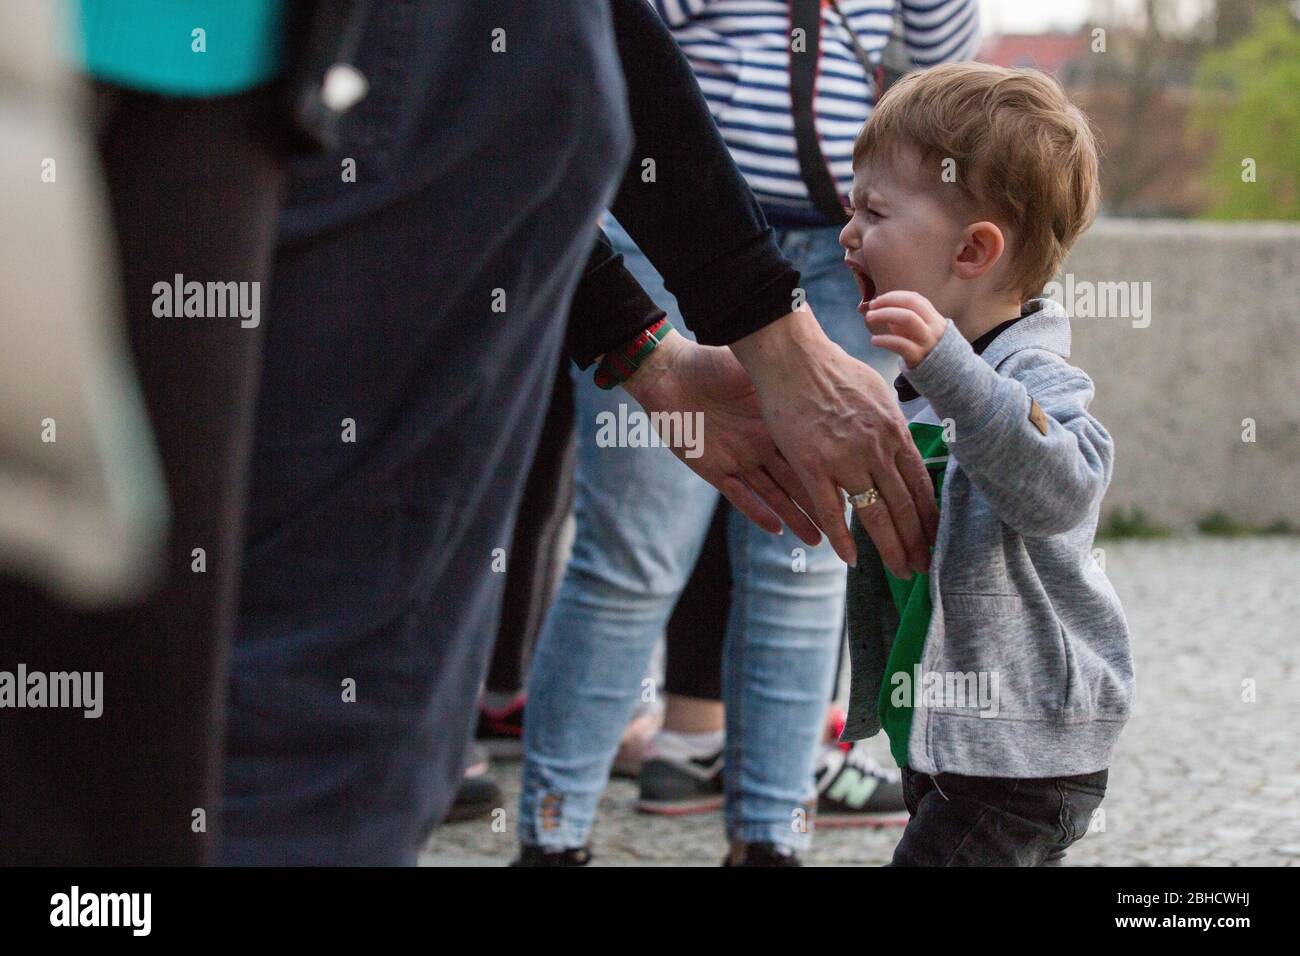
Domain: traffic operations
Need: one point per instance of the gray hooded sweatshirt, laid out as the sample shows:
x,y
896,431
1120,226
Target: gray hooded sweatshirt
x,y
1019,606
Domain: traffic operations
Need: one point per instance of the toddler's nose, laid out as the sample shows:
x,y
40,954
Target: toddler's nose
x,y
847,239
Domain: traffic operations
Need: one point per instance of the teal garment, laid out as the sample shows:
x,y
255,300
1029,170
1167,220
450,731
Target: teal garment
x,y
151,45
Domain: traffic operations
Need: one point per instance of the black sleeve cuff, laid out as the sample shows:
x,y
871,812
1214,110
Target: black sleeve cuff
x,y
751,287
609,306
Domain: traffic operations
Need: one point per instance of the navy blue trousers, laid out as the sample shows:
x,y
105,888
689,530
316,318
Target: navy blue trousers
x,y
415,324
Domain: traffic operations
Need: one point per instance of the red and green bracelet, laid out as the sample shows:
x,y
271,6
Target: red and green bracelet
x,y
618,364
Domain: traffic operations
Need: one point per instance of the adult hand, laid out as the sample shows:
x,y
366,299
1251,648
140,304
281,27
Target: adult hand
x,y
736,453
839,426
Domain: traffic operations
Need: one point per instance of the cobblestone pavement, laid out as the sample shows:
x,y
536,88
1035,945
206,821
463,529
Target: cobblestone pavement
x,y
1203,774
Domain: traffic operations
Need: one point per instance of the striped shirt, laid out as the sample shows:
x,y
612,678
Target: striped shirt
x,y
740,51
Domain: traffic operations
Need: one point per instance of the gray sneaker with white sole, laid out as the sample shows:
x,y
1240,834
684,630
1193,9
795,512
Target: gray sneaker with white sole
x,y
674,786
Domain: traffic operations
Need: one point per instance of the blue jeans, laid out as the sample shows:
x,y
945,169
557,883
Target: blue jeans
x,y
641,520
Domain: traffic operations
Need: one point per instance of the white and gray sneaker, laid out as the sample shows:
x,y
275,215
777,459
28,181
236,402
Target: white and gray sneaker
x,y
854,790
680,777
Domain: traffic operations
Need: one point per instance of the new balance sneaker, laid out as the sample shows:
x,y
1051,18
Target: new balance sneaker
x,y
853,790
675,781
501,730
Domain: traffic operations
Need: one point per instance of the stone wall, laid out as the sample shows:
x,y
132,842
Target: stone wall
x,y
1209,337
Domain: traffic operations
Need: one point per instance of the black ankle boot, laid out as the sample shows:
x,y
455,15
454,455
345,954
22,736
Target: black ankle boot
x,y
537,856
764,854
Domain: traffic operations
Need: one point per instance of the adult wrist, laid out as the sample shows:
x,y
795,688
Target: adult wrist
x,y
658,366
620,364
779,347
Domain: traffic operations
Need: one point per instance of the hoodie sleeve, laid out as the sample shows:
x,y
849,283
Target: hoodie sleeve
x,y
1024,437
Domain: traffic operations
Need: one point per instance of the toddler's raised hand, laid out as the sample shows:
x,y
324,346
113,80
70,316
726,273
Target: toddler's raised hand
x,y
905,323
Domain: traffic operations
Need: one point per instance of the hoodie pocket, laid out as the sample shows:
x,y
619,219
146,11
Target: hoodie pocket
x,y
1002,644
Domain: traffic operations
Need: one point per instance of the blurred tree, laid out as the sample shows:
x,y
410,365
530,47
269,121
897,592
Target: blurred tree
x,y
1136,96
1233,19
1248,105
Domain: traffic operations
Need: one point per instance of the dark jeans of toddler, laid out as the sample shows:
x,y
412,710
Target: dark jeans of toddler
x,y
958,820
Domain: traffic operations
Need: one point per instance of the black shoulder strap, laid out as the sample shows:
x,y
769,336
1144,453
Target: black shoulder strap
x,y
806,15
894,60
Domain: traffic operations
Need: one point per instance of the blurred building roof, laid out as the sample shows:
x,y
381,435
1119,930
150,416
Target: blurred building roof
x,y
1049,52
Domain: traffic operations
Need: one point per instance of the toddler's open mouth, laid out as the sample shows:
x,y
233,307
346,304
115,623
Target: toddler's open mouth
x,y
865,285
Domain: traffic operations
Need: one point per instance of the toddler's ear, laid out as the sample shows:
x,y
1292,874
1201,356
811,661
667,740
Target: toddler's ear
x,y
982,245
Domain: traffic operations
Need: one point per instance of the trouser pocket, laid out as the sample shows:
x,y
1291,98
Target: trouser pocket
x,y
1080,797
